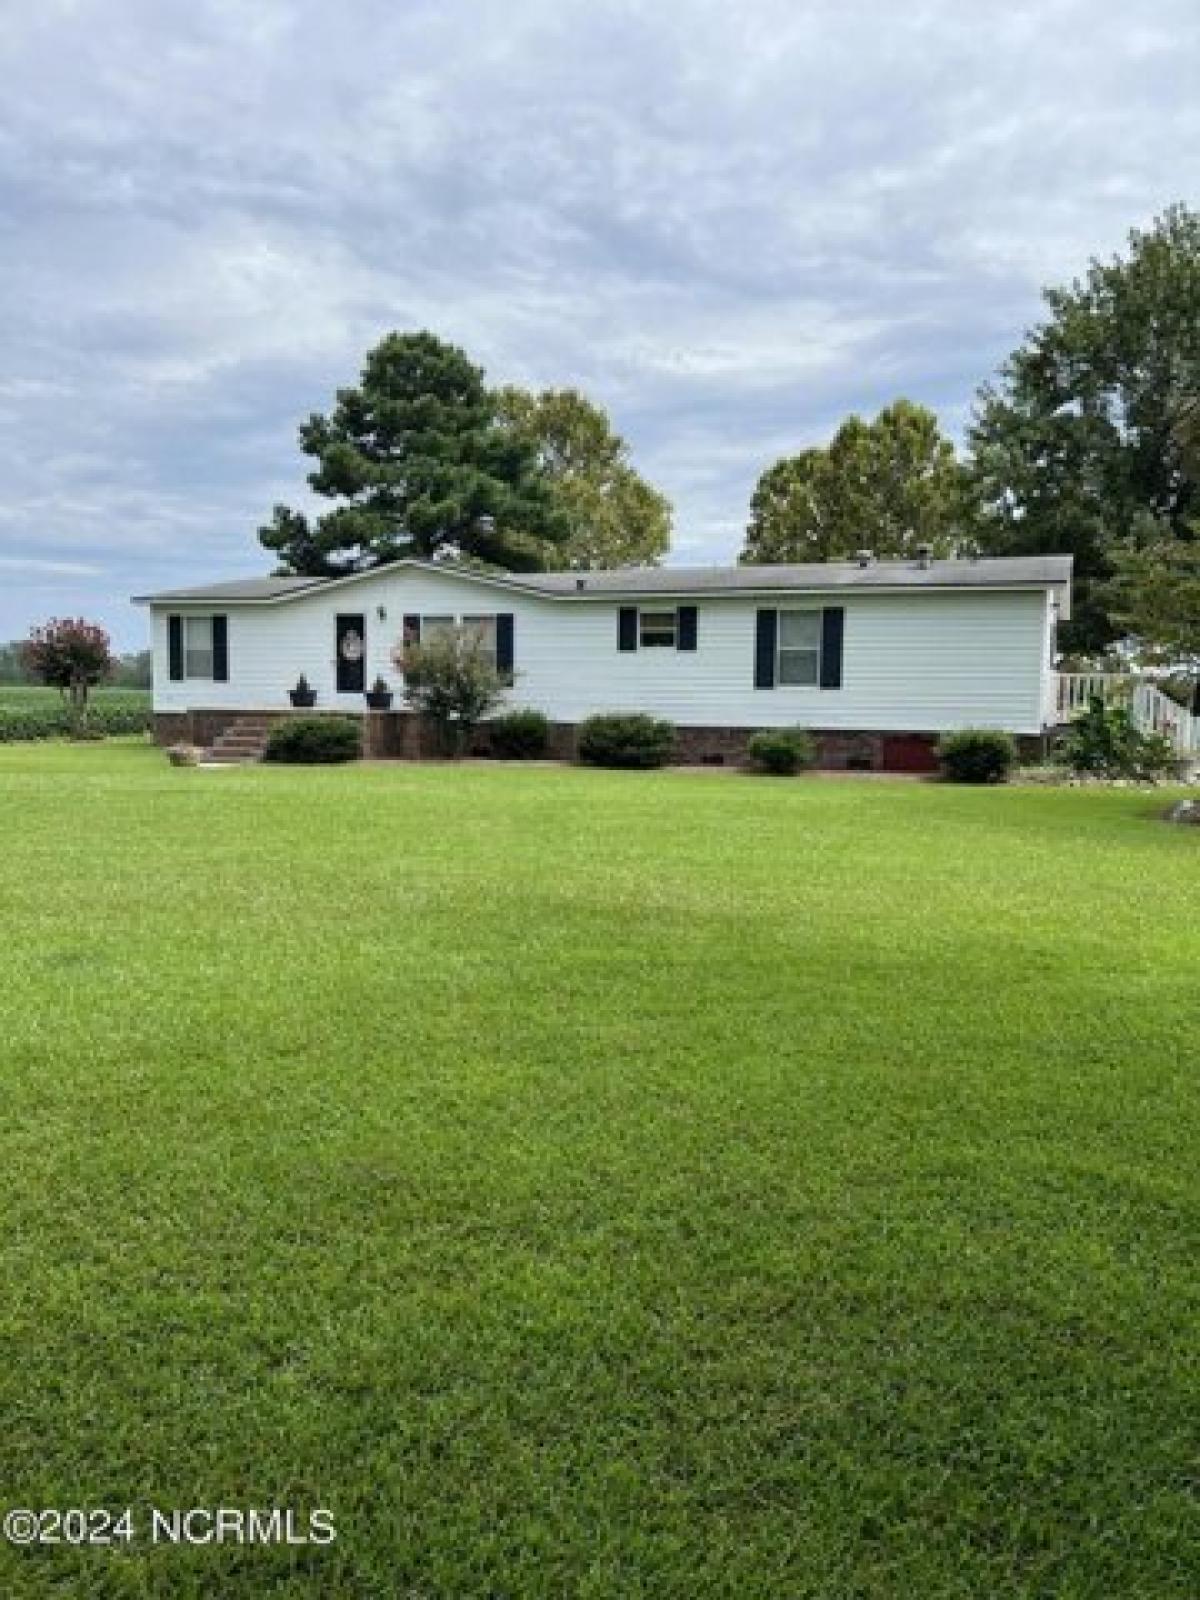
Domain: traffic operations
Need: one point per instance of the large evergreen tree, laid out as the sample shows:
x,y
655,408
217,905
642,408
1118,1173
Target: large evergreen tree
x,y
614,516
889,485
1080,445
419,464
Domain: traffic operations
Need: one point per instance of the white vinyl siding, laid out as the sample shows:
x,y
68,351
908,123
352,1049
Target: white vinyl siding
x,y
921,661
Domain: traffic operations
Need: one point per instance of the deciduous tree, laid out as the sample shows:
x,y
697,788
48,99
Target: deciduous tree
x,y
614,517
12,665
1083,439
890,485
1154,595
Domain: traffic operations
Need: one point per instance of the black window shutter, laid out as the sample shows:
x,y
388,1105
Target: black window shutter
x,y
766,632
412,629
627,628
833,628
685,630
504,645
175,646
220,627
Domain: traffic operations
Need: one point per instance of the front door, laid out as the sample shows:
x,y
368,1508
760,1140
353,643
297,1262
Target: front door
x,y
351,653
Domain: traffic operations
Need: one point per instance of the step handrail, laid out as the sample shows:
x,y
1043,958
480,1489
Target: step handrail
x,y
1151,710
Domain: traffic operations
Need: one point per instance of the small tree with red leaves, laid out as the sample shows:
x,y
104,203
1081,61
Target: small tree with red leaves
x,y
72,656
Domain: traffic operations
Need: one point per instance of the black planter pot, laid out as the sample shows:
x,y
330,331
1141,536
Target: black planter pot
x,y
302,697
379,700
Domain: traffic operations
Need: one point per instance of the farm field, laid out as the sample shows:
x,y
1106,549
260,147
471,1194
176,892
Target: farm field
x,y
37,713
22,697
599,1184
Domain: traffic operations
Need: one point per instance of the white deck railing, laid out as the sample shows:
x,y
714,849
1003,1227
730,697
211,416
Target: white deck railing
x,y
1075,689
1156,712
1151,709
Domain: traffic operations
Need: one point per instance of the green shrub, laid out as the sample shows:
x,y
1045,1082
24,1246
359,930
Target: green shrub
x,y
314,740
1104,741
625,739
976,755
116,719
519,735
782,750
50,721
44,723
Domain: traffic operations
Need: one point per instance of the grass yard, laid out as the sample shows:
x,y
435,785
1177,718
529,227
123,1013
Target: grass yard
x,y
600,1185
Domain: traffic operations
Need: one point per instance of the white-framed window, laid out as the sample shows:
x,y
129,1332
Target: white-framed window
x,y
799,649
657,629
433,627
197,647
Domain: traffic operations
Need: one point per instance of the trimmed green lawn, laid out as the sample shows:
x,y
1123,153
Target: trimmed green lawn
x,y
587,1184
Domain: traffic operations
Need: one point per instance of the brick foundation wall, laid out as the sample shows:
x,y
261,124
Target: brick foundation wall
x,y
405,736
201,727
837,750
172,727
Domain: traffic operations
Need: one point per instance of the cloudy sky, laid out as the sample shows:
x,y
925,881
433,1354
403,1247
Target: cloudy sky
x,y
731,224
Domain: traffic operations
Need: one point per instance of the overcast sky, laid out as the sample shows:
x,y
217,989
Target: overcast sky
x,y
729,223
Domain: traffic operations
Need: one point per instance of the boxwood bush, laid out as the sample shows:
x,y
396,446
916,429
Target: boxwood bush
x,y
781,750
626,739
976,755
314,740
519,735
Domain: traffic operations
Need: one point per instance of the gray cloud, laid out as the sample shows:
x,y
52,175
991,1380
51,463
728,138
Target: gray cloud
x,y
730,224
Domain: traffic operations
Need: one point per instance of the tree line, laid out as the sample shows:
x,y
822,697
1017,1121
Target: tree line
x,y
1086,442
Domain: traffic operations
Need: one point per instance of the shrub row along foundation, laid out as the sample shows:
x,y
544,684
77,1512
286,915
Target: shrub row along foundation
x,y
401,735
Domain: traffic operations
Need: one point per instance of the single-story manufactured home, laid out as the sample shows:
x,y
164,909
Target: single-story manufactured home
x,y
876,657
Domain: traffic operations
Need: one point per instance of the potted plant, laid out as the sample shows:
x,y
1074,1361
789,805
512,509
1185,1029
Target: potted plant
x,y
379,696
303,694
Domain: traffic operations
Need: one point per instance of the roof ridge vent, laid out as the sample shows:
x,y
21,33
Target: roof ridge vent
x,y
924,556
864,558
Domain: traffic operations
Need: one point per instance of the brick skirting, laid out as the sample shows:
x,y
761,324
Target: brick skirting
x,y
404,736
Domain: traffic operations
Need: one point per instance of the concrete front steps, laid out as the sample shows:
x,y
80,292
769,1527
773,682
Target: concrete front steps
x,y
244,739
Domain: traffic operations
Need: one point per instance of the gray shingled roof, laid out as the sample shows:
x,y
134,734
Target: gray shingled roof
x,y
817,575
237,589
985,573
